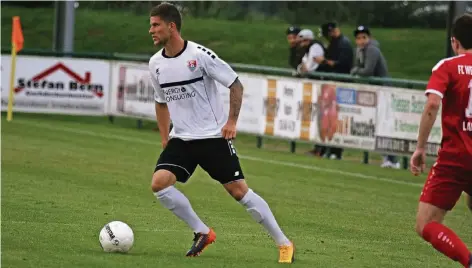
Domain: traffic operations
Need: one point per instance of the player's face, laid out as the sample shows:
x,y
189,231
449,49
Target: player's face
x,y
362,39
159,30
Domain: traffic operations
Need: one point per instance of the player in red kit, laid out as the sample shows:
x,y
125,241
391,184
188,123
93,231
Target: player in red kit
x,y
451,175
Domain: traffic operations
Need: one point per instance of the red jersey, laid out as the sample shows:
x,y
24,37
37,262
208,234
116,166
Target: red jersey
x,y
452,81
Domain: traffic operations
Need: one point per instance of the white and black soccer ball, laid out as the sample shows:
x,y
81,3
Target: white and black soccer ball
x,y
116,236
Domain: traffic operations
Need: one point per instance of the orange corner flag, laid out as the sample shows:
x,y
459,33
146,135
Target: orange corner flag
x,y
17,34
17,41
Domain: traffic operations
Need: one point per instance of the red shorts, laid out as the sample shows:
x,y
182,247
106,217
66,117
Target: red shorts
x,y
445,185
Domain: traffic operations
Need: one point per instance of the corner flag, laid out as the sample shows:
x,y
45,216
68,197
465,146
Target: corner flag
x,y
17,41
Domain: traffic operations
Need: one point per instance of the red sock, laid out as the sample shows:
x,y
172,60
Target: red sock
x,y
447,242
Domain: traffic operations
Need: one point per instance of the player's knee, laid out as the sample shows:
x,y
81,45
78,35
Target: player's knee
x,y
162,179
428,213
237,189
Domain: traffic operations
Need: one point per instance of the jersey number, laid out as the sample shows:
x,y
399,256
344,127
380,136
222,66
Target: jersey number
x,y
468,110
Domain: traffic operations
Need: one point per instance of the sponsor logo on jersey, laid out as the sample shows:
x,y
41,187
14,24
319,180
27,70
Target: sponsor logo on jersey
x,y
178,93
192,65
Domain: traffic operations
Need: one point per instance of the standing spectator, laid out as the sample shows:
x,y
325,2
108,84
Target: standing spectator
x,y
314,56
296,51
371,62
338,59
339,54
369,59
315,52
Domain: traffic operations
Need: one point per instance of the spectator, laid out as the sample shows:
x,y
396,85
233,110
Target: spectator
x,y
369,59
338,59
339,54
371,62
315,52
296,52
314,55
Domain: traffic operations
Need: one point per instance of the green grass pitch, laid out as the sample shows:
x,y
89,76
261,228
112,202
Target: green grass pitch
x,y
64,177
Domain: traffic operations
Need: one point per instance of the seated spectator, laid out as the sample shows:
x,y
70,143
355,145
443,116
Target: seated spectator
x,y
371,62
296,52
315,52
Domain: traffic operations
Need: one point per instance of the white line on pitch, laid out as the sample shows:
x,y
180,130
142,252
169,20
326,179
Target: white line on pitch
x,y
251,158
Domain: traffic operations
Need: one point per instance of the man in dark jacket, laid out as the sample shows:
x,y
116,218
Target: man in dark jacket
x,y
339,54
296,51
338,59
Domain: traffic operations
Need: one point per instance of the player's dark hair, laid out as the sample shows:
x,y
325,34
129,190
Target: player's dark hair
x,y
462,30
168,13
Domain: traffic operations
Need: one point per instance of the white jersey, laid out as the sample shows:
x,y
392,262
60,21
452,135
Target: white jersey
x,y
188,83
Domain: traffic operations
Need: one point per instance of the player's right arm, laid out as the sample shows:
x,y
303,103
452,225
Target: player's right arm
x,y
163,122
162,112
435,91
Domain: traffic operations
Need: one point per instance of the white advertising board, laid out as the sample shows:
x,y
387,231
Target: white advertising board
x,y
132,92
251,119
358,116
57,85
399,114
346,115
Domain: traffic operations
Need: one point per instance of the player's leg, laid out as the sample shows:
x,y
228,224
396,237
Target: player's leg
x,y
257,208
222,164
175,165
440,195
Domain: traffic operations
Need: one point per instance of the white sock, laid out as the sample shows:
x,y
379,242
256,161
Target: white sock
x,y
175,201
260,212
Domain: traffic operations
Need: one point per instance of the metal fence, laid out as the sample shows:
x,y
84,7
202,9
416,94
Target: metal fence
x,y
268,70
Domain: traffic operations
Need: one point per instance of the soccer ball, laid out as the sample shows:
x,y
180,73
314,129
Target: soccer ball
x,y
116,236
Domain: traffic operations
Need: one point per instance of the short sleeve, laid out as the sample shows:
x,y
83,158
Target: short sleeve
x,y
158,93
217,68
439,80
315,51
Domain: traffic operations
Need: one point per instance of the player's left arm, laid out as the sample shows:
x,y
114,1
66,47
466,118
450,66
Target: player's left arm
x,y
220,71
235,100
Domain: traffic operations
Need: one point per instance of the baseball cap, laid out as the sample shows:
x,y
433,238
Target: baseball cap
x,y
327,27
306,34
293,30
361,29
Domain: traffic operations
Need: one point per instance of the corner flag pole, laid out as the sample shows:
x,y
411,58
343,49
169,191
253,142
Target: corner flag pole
x,y
16,45
12,83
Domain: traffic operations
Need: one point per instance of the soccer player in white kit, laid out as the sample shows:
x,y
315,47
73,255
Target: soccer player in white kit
x,y
185,76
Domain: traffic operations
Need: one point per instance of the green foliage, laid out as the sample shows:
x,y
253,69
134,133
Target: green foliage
x,y
410,53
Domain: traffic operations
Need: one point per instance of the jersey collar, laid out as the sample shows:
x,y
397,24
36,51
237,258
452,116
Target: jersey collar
x,y
176,55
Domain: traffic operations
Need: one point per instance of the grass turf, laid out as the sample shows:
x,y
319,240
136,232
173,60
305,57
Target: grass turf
x,y
64,177
410,53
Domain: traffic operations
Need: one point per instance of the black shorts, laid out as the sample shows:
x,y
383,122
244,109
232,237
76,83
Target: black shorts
x,y
217,156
